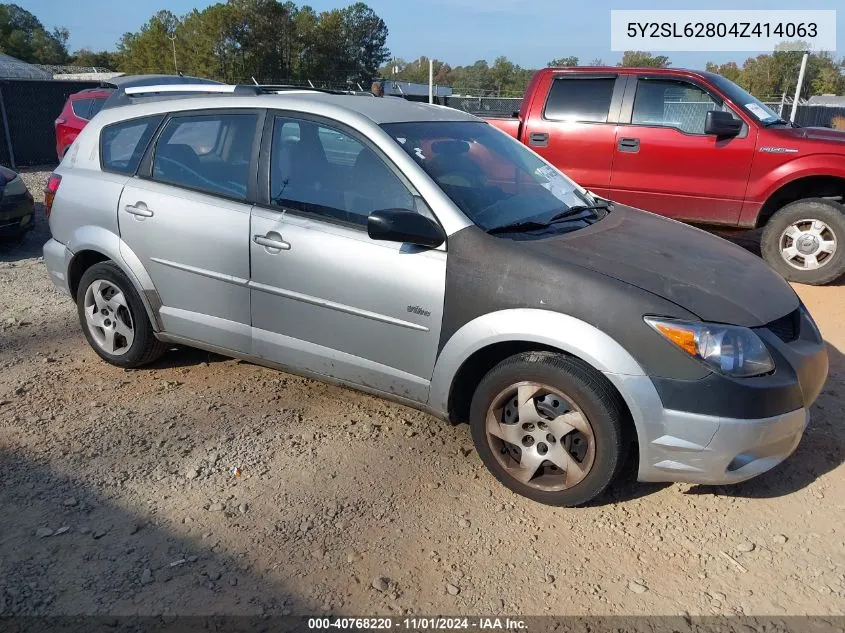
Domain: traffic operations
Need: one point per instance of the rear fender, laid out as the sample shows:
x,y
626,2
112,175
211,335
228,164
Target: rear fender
x,y
103,241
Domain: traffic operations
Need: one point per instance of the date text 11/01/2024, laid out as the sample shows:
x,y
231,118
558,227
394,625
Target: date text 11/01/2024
x,y
419,624
660,30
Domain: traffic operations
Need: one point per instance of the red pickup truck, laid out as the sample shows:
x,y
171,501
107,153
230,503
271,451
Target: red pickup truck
x,y
696,147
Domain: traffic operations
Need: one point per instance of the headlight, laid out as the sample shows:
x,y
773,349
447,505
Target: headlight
x,y
729,349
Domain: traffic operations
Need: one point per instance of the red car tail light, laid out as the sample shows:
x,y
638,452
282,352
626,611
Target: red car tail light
x,y
50,193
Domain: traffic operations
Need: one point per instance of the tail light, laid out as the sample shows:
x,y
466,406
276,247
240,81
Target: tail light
x,y
50,192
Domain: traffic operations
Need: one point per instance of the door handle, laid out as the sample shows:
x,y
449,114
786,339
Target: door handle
x,y
538,139
271,240
139,209
629,145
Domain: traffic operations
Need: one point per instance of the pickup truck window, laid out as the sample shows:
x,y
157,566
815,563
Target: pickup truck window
x,y
495,180
674,104
580,99
746,101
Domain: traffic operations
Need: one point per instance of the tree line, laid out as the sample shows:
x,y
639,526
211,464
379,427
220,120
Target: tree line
x,y
237,40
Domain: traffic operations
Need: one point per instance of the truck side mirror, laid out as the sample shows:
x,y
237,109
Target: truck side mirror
x,y
722,124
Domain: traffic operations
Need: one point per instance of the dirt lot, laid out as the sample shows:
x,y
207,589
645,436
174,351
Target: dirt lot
x,y
119,497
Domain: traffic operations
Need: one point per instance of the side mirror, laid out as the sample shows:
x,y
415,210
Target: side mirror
x,y
722,124
402,225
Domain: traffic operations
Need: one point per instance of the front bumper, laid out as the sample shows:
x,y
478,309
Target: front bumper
x,y
16,215
737,450
721,431
57,259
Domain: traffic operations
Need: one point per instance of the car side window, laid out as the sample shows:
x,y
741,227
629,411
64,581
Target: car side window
x,y
323,171
208,153
82,108
96,106
676,104
122,145
580,99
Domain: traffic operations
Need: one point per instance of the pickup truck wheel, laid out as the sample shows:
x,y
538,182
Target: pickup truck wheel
x,y
805,241
113,318
549,427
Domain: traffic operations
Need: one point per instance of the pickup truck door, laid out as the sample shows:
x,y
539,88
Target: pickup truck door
x,y
663,161
574,125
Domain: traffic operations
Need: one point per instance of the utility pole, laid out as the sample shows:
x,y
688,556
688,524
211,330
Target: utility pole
x,y
430,80
172,39
798,87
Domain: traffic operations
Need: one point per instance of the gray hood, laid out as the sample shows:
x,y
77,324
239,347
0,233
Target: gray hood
x,y
706,275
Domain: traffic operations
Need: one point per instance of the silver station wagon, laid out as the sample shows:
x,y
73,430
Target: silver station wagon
x,y
415,252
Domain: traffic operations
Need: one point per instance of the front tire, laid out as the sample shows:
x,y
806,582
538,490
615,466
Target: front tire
x,y
550,428
805,241
113,318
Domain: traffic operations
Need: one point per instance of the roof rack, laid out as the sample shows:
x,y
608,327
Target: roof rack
x,y
174,90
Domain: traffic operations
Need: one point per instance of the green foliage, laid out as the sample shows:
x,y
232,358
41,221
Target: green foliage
x,y
23,36
265,39
502,78
642,59
775,74
99,59
563,62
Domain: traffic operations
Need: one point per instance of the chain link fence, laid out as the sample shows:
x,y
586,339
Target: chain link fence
x,y
484,106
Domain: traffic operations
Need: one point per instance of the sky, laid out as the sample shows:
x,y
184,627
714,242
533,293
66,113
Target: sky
x,y
528,32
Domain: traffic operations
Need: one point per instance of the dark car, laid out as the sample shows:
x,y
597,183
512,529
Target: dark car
x,y
16,205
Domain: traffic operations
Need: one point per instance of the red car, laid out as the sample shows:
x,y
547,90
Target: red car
x,y
696,147
80,108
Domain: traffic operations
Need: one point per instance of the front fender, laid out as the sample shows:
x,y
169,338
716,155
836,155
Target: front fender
x,y
812,165
94,238
574,337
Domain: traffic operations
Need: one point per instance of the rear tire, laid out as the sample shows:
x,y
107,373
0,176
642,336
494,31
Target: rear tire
x,y
550,428
797,241
113,318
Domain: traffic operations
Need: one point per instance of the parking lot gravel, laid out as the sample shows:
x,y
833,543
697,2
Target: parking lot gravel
x,y
205,485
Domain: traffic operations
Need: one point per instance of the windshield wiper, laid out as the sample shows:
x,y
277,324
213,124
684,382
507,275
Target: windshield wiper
x,y
778,121
532,225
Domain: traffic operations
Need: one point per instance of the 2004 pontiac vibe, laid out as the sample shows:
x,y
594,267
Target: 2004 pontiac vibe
x,y
416,252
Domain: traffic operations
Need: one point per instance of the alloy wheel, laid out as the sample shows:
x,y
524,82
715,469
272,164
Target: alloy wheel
x,y
540,436
108,317
807,244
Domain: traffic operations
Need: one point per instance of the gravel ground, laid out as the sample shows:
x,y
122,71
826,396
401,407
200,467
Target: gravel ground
x,y
204,485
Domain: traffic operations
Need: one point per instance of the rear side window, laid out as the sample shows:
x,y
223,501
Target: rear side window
x,y
209,153
581,99
123,144
82,108
96,106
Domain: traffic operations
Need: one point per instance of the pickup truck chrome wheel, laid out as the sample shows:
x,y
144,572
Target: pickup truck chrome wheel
x,y
807,244
108,317
540,437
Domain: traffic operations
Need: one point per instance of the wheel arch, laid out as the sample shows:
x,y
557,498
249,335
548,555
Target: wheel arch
x,y
800,188
483,342
91,245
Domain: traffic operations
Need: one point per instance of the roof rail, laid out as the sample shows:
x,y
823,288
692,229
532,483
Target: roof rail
x,y
180,88
158,92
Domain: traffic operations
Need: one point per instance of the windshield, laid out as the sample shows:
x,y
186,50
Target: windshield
x,y
495,180
752,105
